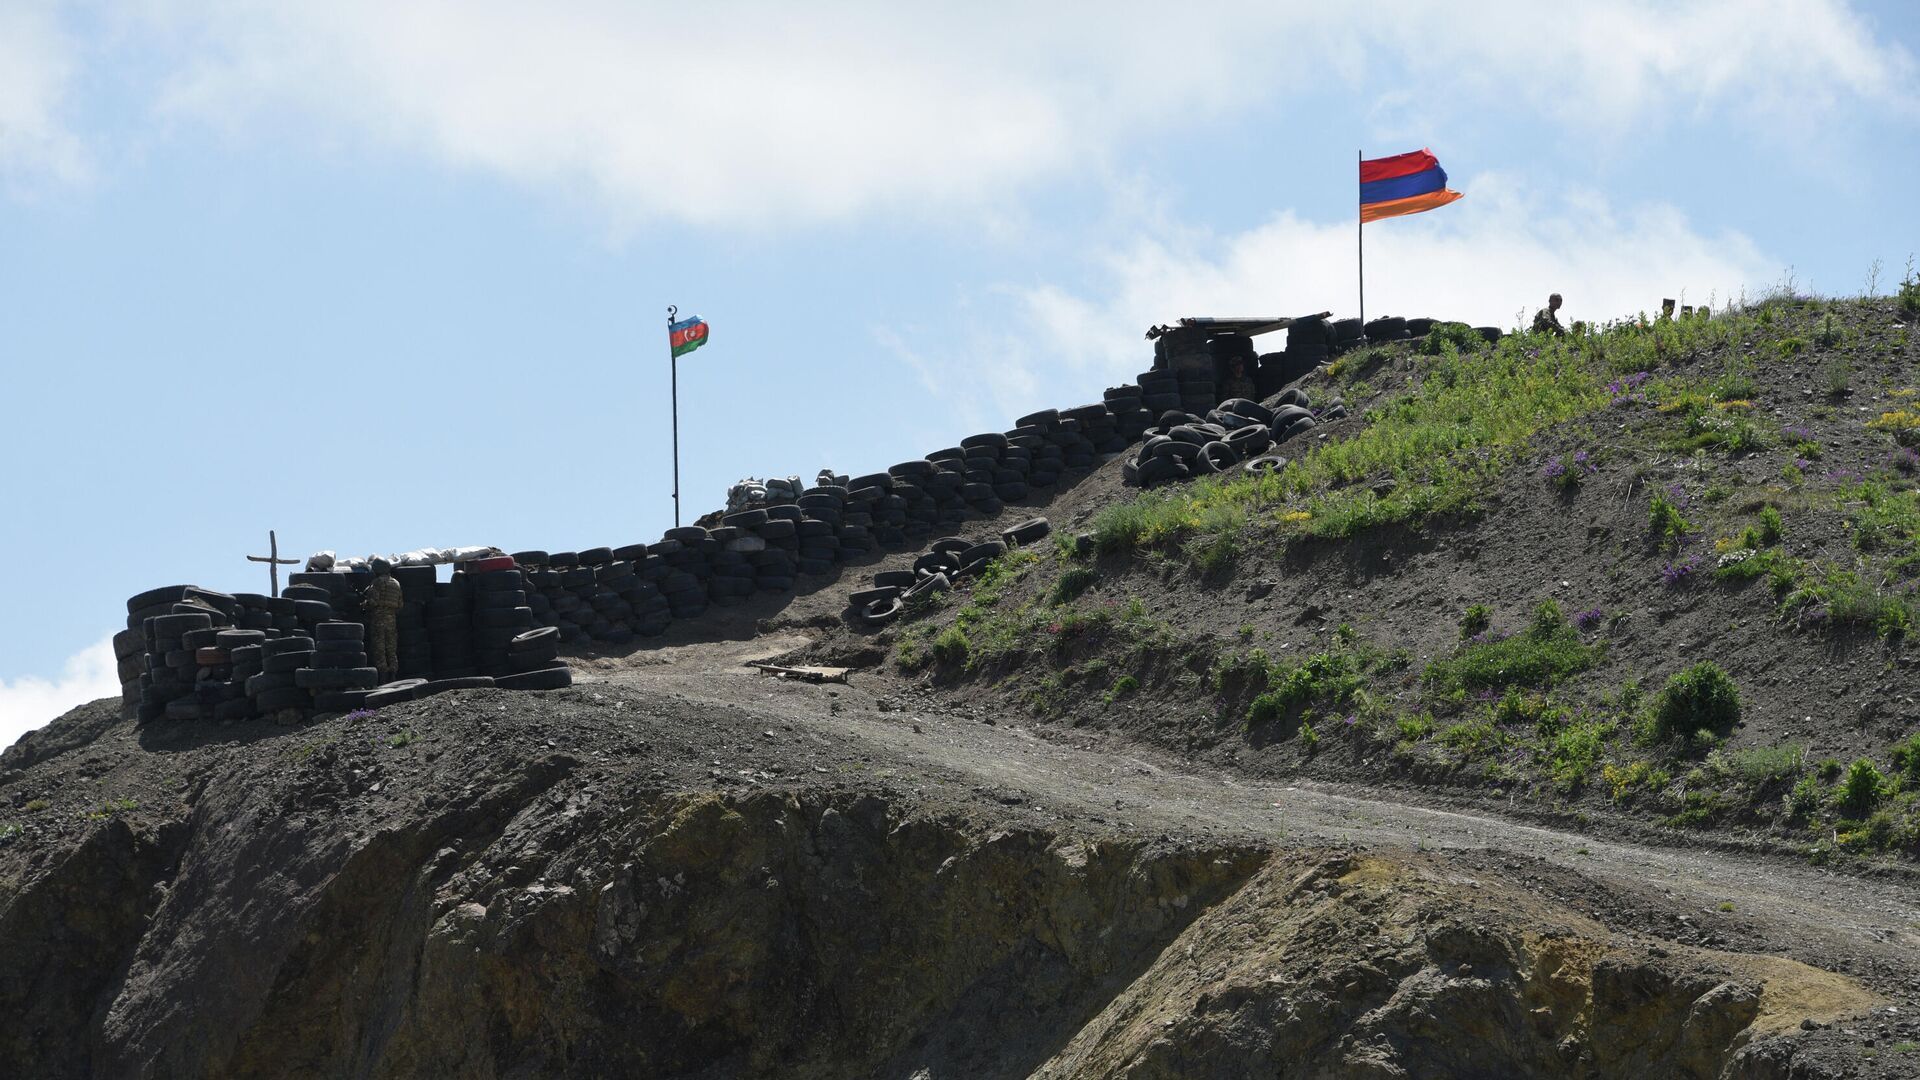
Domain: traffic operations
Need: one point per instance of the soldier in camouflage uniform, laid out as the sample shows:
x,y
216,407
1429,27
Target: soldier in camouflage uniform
x,y
382,605
1547,319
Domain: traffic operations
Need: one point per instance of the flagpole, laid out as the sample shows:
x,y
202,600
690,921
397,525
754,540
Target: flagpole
x,y
673,367
1360,237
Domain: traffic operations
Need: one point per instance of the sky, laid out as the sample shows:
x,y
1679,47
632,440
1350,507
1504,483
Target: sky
x,y
389,275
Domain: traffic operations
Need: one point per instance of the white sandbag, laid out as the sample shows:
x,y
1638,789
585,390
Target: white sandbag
x,y
319,562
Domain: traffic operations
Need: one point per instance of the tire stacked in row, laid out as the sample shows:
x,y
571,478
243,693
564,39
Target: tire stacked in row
x,y
449,621
272,691
414,642
1159,392
1386,328
948,560
340,590
1309,343
1131,415
337,673
500,611
533,662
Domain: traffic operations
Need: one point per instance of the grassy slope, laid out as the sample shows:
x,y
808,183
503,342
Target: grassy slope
x,y
1751,481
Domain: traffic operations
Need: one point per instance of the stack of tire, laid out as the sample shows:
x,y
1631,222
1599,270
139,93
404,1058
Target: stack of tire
x,y
1386,328
337,673
1343,335
1131,415
1309,343
449,616
533,660
948,560
171,665
273,691
1238,434
340,590
500,611
683,554
1159,391
415,642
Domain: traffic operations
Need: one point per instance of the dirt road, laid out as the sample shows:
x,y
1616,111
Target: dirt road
x,y
1864,926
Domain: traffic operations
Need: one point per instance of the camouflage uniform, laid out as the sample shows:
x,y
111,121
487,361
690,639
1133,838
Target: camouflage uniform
x,y
1545,321
383,607
1238,386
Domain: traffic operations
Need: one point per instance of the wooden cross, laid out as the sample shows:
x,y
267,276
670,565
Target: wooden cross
x,y
273,560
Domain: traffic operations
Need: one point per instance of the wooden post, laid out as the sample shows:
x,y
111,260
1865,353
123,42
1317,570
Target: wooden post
x,y
274,561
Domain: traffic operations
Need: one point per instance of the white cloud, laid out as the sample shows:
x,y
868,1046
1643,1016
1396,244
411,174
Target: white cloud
x,y
36,70
29,701
748,113
1488,259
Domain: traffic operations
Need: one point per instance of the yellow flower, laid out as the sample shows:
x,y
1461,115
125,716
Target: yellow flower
x,y
1295,517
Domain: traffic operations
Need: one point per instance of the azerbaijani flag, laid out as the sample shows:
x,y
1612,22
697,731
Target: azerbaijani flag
x,y
1402,184
687,335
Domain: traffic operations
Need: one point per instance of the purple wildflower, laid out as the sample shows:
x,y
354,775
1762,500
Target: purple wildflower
x,y
1553,470
1797,433
1588,619
359,714
1905,459
1842,476
1675,574
1677,495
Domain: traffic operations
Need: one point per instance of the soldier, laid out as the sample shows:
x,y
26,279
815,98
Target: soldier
x,y
1666,310
1237,383
1545,320
382,602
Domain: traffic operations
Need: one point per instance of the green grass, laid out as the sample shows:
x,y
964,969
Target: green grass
x,y
1548,651
1469,417
1072,582
1574,751
1860,790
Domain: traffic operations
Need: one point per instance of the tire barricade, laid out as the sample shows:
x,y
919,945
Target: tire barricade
x,y
196,654
472,629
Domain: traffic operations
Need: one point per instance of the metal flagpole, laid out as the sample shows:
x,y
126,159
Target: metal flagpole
x,y
673,366
1360,229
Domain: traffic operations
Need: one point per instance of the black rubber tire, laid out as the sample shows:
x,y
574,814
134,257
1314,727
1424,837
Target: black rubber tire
x,y
991,549
292,643
1298,428
165,626
268,680
288,661
932,583
686,534
393,693
901,578
1265,463
353,678
1029,531
154,597
746,519
1292,395
952,545
866,597
339,631
1250,442
291,697
441,686
1251,410
1158,471
534,639
1216,457
554,677
880,612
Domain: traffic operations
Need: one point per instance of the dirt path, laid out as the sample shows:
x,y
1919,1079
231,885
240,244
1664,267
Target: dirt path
x,y
1861,926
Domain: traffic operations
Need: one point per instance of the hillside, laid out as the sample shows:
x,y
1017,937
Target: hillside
x,y
1550,714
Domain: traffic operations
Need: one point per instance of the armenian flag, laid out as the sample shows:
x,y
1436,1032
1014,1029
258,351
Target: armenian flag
x,y
1402,184
687,335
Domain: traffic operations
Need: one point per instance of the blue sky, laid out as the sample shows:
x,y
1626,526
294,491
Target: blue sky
x,y
382,276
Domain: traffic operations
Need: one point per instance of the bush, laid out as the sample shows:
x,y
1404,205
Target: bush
x,y
1666,522
1701,698
1860,790
1457,334
952,648
1073,582
1906,760
1475,621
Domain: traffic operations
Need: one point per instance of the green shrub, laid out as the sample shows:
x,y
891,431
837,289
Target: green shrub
x,y
1075,581
1906,760
1770,526
1122,686
1574,750
1701,698
1665,521
1860,790
1805,797
1761,765
1457,334
1413,727
1475,621
951,648
1547,651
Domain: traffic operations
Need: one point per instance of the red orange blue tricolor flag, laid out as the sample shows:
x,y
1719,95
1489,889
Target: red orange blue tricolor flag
x,y
1402,184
